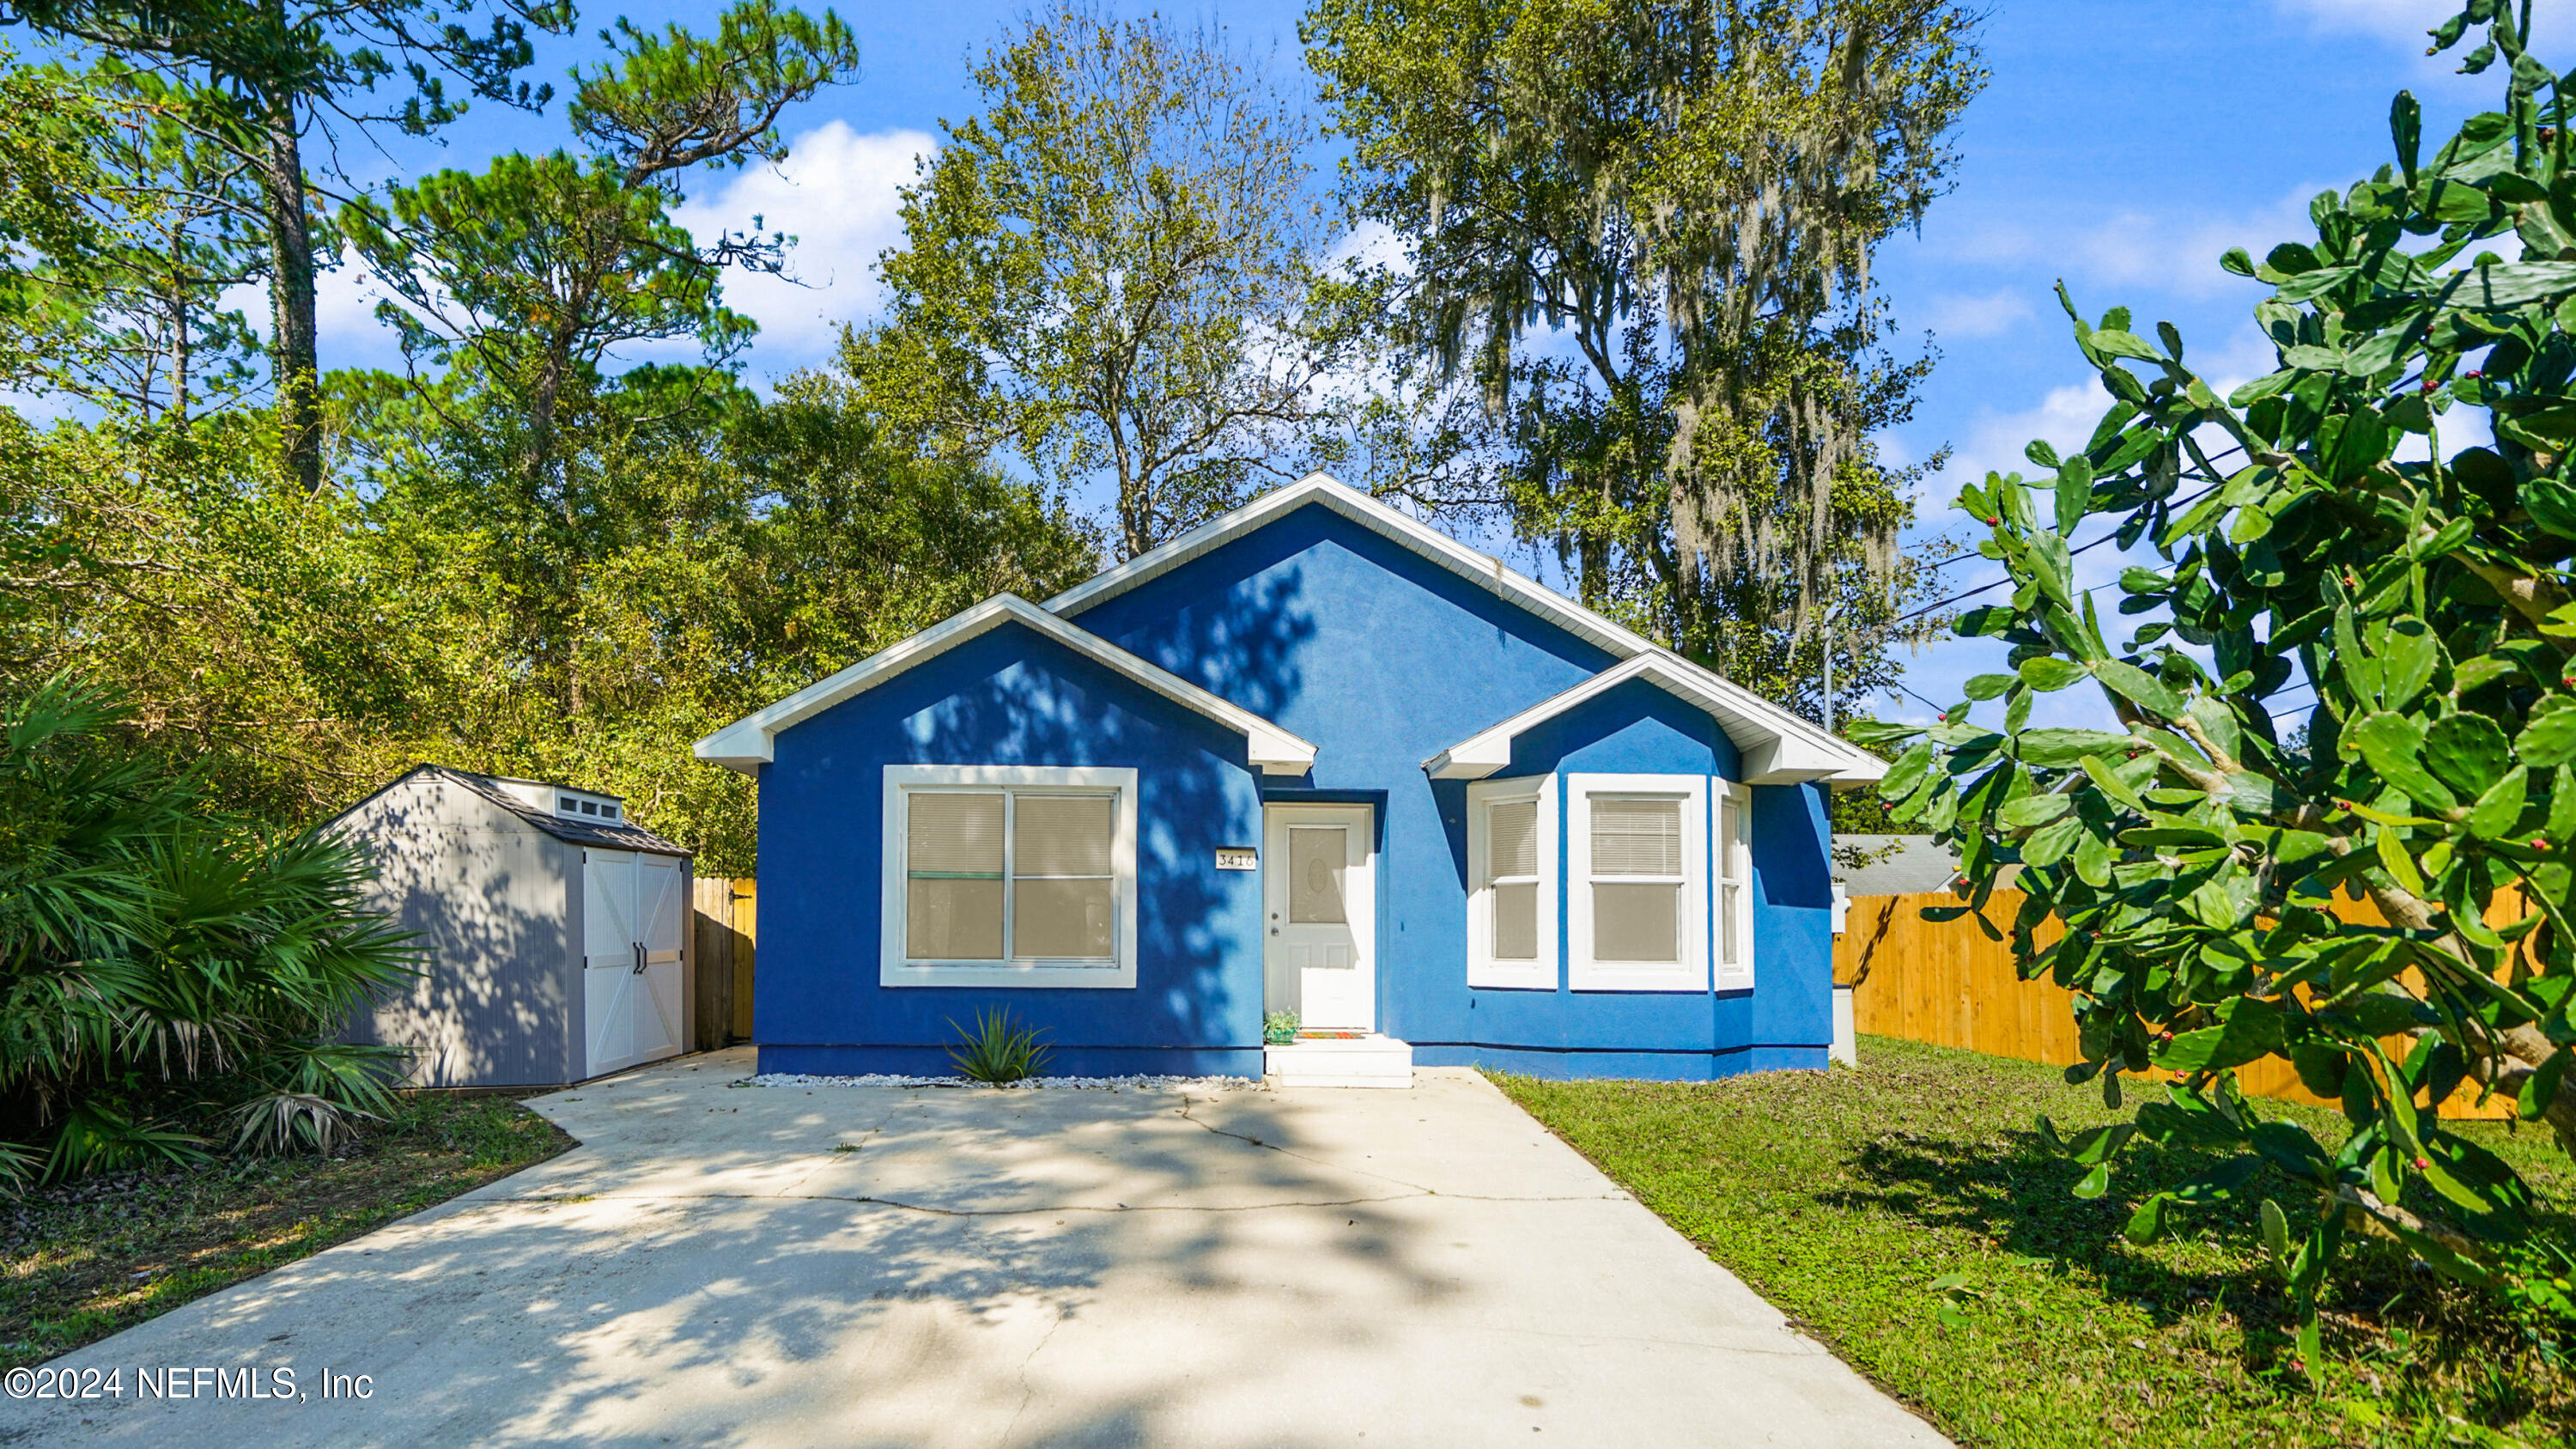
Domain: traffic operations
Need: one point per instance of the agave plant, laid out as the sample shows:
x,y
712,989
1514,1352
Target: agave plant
x,y
162,967
998,1050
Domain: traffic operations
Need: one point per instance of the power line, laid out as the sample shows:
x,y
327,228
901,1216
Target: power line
x,y
2070,553
2207,458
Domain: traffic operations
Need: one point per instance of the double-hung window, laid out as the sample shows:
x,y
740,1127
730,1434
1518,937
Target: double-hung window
x,y
1733,849
1637,882
1009,876
1511,861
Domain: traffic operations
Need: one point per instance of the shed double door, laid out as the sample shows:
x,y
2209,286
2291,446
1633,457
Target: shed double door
x,y
632,907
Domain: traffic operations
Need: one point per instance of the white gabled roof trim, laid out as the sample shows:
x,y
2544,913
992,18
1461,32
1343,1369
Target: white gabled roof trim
x,y
1422,538
751,741
1777,747
1777,744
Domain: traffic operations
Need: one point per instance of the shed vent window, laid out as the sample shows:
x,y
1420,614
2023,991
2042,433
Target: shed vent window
x,y
1011,878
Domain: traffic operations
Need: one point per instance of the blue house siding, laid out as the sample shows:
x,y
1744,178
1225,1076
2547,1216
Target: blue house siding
x,y
1008,697
1384,658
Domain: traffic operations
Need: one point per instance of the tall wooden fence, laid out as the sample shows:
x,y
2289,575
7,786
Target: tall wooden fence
x,y
1945,983
726,923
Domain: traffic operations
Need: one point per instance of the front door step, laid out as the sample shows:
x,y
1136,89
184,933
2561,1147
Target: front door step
x,y
1340,1060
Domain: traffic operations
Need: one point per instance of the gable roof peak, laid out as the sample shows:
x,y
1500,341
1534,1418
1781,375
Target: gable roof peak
x,y
1774,746
1323,490
751,741
1752,721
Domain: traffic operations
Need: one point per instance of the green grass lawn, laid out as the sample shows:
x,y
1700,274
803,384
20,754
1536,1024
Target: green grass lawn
x,y
1843,1198
87,1259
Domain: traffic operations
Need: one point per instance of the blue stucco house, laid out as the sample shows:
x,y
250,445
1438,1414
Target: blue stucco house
x,y
1313,756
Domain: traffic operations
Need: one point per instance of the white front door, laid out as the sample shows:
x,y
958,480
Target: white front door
x,y
631,923
1319,889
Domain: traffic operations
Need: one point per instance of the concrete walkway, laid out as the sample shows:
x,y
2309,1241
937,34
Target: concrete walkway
x,y
1005,1268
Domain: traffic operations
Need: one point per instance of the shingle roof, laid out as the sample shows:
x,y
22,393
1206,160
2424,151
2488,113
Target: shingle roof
x,y
620,836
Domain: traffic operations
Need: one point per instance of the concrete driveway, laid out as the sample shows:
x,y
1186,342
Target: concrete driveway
x,y
1208,1268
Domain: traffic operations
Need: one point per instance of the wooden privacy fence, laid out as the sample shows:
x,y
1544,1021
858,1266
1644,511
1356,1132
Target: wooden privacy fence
x,y
725,923
1945,983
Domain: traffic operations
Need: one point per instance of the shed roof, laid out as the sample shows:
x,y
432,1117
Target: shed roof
x,y
621,836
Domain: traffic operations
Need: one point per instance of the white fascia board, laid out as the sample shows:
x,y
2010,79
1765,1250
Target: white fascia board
x,y
1777,747
751,741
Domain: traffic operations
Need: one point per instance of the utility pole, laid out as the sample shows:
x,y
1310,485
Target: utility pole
x,y
1829,671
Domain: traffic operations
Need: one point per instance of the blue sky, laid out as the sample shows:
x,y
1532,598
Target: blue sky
x,y
2120,146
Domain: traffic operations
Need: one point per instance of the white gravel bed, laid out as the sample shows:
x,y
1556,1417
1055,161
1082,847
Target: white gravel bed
x,y
1079,1084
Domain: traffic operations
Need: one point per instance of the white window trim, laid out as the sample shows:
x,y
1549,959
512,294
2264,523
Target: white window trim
x,y
1691,972
892,967
1737,975
1482,968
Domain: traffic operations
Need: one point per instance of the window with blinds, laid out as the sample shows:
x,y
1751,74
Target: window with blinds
x,y
1512,883
1512,879
1010,875
1637,879
1732,869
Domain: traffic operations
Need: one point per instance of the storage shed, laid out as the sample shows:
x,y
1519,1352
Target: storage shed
x,y
556,926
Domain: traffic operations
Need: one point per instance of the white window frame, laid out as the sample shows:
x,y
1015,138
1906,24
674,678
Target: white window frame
x,y
1690,973
1733,865
1482,968
902,782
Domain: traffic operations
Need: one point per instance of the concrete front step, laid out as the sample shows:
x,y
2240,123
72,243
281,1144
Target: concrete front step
x,y
1318,1061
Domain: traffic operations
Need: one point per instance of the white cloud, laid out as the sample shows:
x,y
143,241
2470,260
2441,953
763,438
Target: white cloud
x,y
2408,19
2180,253
1955,315
2175,252
835,194
1371,243
2064,417
2405,24
345,330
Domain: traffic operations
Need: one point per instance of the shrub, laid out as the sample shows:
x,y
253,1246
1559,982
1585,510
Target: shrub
x,y
165,971
2193,852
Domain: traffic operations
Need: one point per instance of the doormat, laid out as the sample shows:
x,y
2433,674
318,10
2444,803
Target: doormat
x,y
1332,1036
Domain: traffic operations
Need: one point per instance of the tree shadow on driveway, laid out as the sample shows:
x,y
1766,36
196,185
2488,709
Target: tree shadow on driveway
x,y
723,1267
